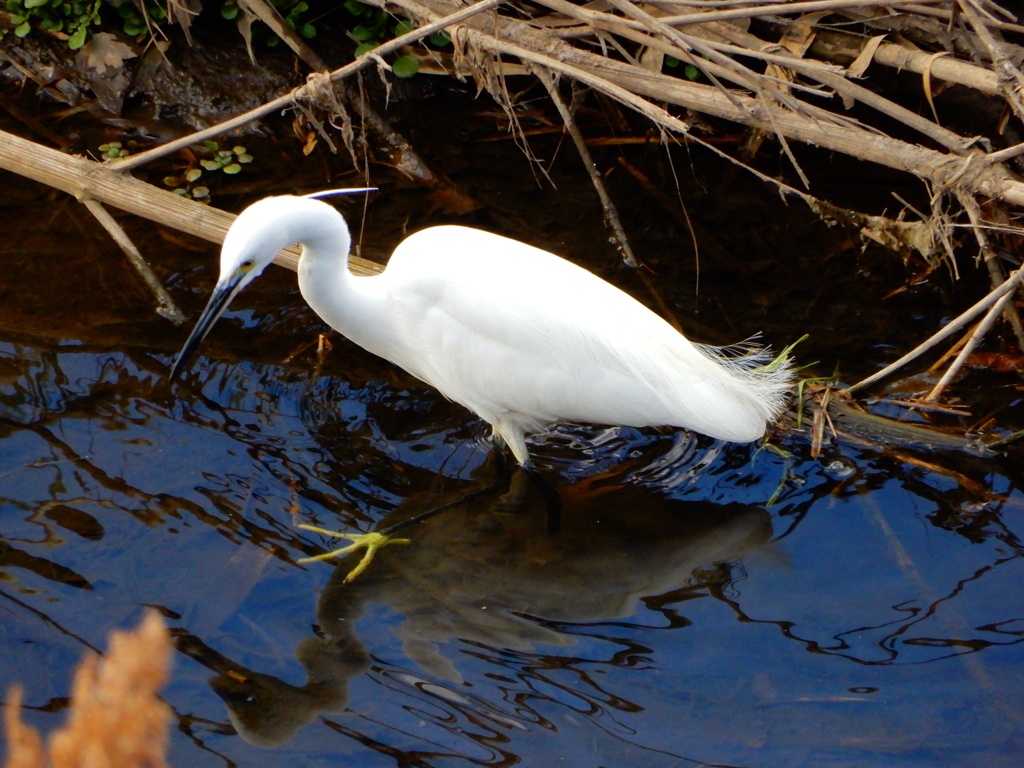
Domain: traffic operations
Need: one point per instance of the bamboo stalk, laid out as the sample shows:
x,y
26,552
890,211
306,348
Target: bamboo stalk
x,y
89,180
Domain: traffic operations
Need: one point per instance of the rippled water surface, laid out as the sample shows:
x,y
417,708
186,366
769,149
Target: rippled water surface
x,y
702,603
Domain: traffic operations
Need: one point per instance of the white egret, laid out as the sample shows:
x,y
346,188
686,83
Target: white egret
x,y
517,335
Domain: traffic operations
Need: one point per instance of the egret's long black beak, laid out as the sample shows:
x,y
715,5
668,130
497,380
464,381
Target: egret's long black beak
x,y
219,301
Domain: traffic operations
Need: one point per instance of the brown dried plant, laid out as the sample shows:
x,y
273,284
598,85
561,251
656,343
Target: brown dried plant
x,y
116,719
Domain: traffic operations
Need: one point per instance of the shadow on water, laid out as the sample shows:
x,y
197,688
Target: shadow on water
x,y
488,574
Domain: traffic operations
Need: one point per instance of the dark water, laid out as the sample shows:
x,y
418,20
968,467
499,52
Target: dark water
x,y
702,604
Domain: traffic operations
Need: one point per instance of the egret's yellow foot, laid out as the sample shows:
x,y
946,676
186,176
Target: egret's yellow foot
x,y
369,541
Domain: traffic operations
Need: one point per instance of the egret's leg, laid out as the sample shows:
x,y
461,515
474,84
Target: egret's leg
x,y
510,435
516,441
369,541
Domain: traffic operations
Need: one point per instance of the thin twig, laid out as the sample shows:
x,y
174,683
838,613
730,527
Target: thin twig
x,y
165,304
976,337
766,10
1007,288
611,213
1002,442
917,405
946,15
1006,154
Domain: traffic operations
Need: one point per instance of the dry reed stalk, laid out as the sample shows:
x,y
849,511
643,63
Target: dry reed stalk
x,y
116,719
88,180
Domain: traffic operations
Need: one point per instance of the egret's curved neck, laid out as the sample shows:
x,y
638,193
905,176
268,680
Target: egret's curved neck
x,y
353,306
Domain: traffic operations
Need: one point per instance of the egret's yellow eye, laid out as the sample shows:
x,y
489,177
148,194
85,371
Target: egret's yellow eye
x,y
247,264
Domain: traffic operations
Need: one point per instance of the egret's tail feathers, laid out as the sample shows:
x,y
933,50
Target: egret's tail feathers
x,y
766,379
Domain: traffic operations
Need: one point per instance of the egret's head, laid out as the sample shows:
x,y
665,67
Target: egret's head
x,y
259,233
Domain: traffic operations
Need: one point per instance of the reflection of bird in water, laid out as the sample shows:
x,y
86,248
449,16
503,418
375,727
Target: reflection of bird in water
x,y
519,336
483,574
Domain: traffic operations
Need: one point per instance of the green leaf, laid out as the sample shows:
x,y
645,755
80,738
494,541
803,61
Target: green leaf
x,y
364,47
229,11
210,165
171,181
290,22
362,33
308,31
440,39
691,72
125,11
232,169
35,3
23,29
211,145
354,6
239,150
405,66
243,158
133,28
200,192
671,61
12,6
19,19
298,8
158,13
272,41
404,27
192,174
180,191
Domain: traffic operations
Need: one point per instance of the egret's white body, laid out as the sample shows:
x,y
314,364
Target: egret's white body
x,y
517,335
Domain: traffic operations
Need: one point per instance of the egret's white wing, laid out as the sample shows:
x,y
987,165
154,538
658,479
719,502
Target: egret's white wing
x,y
516,333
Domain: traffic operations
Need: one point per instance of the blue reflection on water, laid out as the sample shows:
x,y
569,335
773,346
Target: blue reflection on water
x,y
867,617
